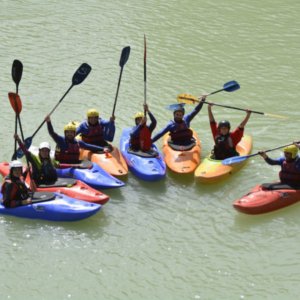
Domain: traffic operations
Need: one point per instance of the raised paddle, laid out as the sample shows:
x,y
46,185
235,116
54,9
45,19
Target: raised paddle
x,y
16,73
16,104
145,134
175,106
110,130
79,76
238,159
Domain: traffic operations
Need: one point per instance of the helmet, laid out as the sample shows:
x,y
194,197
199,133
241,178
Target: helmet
x,y
70,126
15,164
139,115
92,113
180,109
224,123
291,149
45,145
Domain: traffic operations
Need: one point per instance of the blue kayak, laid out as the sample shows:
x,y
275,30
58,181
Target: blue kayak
x,y
148,166
95,177
61,208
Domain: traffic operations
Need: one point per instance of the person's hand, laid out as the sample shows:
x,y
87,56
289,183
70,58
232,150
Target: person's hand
x,y
107,149
27,169
27,201
211,104
203,97
146,108
248,111
262,154
112,118
143,121
47,119
16,137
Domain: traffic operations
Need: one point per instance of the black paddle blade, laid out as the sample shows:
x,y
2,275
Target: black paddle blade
x,y
175,106
81,74
17,71
231,86
14,156
124,56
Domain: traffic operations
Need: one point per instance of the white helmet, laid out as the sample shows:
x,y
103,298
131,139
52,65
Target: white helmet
x,y
15,164
45,145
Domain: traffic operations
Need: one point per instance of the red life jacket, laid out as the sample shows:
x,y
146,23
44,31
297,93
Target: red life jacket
x,y
95,135
70,156
19,192
224,147
182,132
135,141
289,173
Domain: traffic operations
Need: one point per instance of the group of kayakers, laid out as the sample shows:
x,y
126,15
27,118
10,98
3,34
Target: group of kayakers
x,y
96,133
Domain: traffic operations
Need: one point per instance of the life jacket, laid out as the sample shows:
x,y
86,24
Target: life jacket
x,y
95,135
46,174
19,192
182,132
224,147
135,141
70,156
289,173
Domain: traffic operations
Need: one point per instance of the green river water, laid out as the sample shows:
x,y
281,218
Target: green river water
x,y
175,239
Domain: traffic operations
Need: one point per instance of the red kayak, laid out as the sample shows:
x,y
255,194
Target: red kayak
x,y
267,197
70,187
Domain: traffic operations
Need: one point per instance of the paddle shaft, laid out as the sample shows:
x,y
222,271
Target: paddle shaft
x,y
53,110
14,157
145,72
113,113
270,150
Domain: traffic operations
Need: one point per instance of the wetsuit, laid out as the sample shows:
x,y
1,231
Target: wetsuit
x,y
63,146
171,127
136,130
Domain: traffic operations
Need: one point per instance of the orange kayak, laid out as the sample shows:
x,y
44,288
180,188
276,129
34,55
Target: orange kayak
x,y
211,171
182,162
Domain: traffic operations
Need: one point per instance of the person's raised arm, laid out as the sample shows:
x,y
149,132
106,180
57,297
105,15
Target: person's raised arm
x,y
244,122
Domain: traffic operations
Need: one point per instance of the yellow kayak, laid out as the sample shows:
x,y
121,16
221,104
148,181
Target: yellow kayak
x,y
212,171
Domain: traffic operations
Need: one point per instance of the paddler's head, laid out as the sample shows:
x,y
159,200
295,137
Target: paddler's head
x,y
290,152
178,114
138,117
44,150
70,131
93,116
15,168
224,127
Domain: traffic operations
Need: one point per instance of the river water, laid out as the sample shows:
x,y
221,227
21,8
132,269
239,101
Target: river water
x,y
175,239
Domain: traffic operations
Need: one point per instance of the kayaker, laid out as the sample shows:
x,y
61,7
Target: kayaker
x,y
225,140
140,121
290,164
43,167
67,147
179,128
14,189
92,129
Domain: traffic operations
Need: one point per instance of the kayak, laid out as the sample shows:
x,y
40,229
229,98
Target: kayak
x,y
95,177
69,187
267,197
212,171
113,162
181,159
62,209
148,166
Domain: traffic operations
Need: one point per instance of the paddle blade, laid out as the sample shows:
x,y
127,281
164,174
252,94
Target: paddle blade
x,y
17,71
145,139
124,56
15,102
81,74
276,116
175,106
233,160
231,86
187,98
27,143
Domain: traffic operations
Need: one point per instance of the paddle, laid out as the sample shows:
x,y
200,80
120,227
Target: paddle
x,y
145,134
187,98
175,106
16,73
79,76
16,104
237,159
110,130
